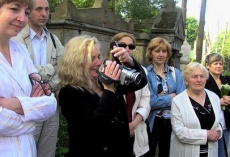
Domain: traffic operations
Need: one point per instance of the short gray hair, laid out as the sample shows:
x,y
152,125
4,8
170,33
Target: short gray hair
x,y
191,67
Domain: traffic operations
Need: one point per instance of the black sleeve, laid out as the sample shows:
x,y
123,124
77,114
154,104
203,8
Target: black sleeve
x,y
132,86
84,107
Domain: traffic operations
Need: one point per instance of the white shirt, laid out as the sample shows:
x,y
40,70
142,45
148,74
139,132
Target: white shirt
x,y
39,47
16,131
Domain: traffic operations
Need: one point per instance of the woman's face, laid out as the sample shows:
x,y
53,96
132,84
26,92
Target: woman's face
x,y
159,55
14,17
96,62
127,41
196,81
216,68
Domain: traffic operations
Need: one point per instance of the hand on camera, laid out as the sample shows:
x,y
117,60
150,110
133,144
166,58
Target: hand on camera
x,y
122,54
112,71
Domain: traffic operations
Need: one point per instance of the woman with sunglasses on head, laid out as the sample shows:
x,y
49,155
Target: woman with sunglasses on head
x,y
196,117
91,99
137,103
163,87
21,103
214,64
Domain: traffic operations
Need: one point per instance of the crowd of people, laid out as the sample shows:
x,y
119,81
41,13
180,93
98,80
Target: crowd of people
x,y
113,107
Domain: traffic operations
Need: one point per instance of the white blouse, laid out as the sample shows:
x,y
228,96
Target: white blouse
x,y
16,131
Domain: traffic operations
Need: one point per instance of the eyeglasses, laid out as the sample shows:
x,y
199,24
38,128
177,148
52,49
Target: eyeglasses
x,y
131,46
37,78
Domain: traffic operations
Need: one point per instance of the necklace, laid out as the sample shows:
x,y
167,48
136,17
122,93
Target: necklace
x,y
198,97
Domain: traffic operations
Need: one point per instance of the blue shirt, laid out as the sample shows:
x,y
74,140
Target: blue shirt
x,y
158,102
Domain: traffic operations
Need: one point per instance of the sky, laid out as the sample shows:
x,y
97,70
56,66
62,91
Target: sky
x,y
217,14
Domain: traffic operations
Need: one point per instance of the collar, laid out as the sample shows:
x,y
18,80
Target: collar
x,y
34,34
167,68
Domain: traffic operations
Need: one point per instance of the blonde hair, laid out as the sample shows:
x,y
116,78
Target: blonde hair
x,y
155,43
191,67
118,37
76,61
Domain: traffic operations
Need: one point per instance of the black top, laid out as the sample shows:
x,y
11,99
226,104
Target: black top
x,y
212,86
98,126
206,116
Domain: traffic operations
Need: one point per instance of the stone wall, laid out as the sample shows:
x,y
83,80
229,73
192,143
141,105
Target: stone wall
x,y
68,21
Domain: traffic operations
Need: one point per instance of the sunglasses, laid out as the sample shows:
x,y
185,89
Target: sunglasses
x,y
37,78
131,46
159,86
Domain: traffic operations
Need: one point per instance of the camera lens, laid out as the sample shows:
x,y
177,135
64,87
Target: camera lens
x,y
136,77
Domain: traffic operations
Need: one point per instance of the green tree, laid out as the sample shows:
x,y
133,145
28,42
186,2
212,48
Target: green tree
x,y
53,4
137,9
222,47
218,46
192,30
83,3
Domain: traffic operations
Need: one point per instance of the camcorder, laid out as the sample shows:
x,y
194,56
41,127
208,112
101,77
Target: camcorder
x,y
127,76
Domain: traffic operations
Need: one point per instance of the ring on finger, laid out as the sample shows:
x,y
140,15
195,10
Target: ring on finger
x,y
110,73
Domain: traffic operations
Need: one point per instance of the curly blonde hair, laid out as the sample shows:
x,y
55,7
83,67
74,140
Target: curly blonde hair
x,y
76,61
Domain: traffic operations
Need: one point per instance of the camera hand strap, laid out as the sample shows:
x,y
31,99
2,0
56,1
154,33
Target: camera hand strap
x,y
105,79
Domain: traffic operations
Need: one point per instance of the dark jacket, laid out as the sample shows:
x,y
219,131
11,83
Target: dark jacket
x,y
212,86
98,126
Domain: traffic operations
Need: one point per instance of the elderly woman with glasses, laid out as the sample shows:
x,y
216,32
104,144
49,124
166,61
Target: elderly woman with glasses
x,y
196,117
164,82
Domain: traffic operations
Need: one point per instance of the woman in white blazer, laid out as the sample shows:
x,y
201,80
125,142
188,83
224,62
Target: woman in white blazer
x,y
195,117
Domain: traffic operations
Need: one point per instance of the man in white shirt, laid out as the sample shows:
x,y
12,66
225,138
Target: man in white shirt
x,y
45,50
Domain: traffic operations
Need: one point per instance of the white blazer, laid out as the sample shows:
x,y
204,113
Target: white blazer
x,y
141,106
187,135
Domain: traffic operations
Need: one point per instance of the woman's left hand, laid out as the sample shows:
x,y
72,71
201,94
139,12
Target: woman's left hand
x,y
123,56
226,99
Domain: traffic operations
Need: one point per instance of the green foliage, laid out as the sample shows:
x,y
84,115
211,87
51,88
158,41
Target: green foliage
x,y
53,4
226,73
221,47
63,139
83,3
137,9
192,30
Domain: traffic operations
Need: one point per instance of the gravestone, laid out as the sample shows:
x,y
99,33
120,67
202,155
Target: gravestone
x,y
68,21
169,24
185,50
